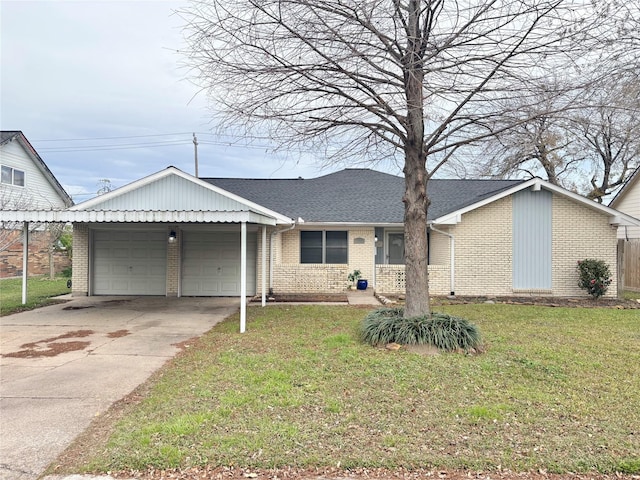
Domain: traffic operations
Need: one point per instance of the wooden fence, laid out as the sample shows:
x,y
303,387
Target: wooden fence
x,y
629,265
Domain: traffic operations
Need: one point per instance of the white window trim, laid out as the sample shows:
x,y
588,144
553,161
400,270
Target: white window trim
x,y
13,170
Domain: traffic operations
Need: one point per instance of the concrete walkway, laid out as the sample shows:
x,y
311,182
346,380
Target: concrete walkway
x,y
362,297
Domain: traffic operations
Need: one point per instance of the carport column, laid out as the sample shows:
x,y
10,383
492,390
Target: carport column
x,y
243,277
25,260
264,265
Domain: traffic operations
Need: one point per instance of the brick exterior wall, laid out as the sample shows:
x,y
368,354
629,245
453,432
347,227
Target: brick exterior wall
x,y
290,276
484,253
390,279
173,262
580,233
484,250
80,275
39,258
439,248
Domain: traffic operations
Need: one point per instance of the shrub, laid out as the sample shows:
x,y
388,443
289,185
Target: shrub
x,y
594,277
66,273
387,325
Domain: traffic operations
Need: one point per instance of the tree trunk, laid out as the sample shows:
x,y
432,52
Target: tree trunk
x,y
415,174
415,236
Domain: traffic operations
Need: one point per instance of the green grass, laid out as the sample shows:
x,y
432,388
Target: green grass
x,y
556,389
629,295
39,291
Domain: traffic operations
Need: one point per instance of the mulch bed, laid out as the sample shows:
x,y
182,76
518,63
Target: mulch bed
x,y
336,473
583,302
305,298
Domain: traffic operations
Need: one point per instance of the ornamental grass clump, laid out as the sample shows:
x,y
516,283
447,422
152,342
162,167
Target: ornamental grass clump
x,y
446,332
594,277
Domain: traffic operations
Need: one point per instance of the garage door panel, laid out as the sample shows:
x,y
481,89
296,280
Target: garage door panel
x,y
129,263
211,264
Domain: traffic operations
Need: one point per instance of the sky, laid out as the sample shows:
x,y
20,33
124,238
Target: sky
x,y
76,74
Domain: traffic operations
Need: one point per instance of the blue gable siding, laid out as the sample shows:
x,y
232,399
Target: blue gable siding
x,y
532,240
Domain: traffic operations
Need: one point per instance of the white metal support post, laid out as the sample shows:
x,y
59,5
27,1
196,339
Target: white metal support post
x,y
264,265
243,277
25,260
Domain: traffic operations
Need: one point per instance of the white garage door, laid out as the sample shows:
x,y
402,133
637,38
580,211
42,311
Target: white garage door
x,y
129,263
211,264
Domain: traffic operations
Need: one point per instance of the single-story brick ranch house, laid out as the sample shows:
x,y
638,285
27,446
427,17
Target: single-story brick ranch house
x,y
177,235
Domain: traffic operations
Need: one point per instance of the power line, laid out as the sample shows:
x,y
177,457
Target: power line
x,y
124,146
86,139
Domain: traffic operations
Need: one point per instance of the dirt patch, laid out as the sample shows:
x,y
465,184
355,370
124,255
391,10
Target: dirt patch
x,y
50,347
78,307
72,334
336,473
115,303
51,350
306,298
423,349
118,333
582,302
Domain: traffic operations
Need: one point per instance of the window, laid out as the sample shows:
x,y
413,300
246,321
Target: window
x,y
323,247
11,176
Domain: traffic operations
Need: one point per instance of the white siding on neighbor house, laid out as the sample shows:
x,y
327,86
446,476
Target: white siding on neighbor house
x,y
630,204
37,192
532,240
172,193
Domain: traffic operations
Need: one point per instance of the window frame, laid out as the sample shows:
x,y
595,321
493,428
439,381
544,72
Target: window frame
x,y
333,249
12,173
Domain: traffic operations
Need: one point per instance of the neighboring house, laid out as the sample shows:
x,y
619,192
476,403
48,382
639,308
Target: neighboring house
x,y
176,235
627,200
26,183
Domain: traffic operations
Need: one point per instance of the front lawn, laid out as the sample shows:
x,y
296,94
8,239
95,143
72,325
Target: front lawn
x,y
556,390
39,293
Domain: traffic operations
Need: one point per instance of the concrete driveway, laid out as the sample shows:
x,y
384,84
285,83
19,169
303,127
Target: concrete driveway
x,y
63,365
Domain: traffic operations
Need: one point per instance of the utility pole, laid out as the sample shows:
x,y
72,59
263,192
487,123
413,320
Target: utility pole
x,y
195,151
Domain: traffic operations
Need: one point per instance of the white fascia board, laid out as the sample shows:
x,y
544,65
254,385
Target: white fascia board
x,y
133,216
91,204
624,220
346,224
536,184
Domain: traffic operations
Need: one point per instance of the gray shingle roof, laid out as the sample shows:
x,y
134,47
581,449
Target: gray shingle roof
x,y
356,195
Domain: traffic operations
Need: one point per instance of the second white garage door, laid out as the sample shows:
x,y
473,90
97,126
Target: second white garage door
x,y
211,264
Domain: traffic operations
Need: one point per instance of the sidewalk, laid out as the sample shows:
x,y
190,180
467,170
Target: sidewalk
x,y
362,297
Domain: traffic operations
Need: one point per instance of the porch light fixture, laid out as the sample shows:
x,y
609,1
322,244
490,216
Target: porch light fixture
x,y
172,236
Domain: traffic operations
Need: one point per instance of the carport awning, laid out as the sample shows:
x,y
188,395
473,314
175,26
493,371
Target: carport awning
x,y
136,216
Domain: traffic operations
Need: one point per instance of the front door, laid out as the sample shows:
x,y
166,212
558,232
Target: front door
x,y
395,255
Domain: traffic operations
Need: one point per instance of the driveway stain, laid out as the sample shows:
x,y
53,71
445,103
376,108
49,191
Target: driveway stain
x,y
51,347
118,333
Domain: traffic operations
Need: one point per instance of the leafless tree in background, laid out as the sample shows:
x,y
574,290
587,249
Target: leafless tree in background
x,y
590,144
405,81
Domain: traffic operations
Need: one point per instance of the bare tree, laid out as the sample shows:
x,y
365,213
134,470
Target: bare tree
x,y
589,143
609,134
408,81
